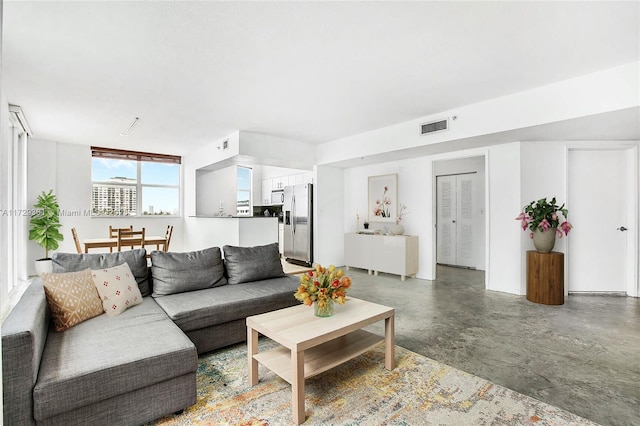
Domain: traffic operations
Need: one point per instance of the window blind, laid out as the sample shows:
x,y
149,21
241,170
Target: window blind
x,y
123,154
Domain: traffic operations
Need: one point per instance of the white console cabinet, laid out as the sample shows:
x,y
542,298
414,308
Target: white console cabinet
x,y
393,254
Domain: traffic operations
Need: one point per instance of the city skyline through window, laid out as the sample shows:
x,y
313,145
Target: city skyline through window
x,y
134,188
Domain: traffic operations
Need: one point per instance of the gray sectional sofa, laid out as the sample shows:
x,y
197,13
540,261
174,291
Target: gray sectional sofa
x,y
141,364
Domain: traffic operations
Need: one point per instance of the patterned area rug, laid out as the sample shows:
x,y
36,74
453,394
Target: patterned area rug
x,y
419,391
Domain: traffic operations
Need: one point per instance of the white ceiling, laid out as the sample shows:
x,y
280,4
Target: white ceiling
x,y
194,72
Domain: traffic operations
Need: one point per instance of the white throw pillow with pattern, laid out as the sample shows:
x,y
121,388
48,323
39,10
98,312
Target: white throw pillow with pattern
x,y
117,288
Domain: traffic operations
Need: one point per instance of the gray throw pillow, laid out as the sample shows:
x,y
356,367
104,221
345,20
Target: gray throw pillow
x,y
246,264
180,272
136,259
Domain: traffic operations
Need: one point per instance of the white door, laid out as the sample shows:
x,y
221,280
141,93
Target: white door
x,y
445,220
464,220
454,219
597,205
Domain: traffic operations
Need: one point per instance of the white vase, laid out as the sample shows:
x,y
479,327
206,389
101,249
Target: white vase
x,y
395,229
544,241
44,265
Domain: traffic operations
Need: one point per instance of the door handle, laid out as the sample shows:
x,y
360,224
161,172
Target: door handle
x,y
622,229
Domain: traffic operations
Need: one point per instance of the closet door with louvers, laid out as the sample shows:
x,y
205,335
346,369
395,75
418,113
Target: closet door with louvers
x,y
454,210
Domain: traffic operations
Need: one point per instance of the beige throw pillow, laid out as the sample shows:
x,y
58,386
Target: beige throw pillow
x,y
72,298
117,287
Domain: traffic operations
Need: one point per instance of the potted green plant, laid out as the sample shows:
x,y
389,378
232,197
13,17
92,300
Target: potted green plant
x,y
44,228
542,217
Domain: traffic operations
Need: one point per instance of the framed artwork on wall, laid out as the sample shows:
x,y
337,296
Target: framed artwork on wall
x,y
383,198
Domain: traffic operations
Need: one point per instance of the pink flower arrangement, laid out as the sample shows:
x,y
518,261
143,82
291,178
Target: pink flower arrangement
x,y
543,215
401,212
382,205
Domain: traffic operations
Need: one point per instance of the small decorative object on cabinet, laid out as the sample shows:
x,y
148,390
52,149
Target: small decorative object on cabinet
x,y
397,229
542,217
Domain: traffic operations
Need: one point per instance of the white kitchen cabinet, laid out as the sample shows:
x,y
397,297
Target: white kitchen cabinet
x,y
280,182
297,179
393,254
266,191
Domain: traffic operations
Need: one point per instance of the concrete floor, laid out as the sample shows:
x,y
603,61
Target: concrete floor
x,y
583,356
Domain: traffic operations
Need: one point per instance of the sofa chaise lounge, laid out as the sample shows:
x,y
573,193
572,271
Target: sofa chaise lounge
x,y
141,364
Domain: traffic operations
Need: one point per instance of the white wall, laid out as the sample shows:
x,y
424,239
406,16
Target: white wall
x,y
215,188
203,157
471,165
633,211
504,253
329,212
203,232
278,151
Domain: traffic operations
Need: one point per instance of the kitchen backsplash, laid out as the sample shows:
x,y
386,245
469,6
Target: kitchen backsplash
x,y
270,210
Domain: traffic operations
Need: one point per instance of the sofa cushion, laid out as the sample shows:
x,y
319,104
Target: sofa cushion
x,y
203,308
246,264
180,272
72,298
136,259
110,356
117,288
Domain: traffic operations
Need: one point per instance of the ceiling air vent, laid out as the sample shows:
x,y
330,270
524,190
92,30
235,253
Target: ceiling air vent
x,y
434,126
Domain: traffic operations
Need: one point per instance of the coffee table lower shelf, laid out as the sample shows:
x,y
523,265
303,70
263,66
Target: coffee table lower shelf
x,y
319,358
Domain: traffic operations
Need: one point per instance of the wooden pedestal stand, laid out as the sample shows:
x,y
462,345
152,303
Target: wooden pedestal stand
x,y
545,277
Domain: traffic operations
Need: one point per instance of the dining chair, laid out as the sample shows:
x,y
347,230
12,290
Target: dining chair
x,y
76,240
130,238
113,233
167,237
167,241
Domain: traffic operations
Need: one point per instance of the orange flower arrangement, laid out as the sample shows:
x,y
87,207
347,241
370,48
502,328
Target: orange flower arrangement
x,y
324,285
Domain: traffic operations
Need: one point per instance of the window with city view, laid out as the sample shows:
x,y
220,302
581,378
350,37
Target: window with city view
x,y
243,186
127,183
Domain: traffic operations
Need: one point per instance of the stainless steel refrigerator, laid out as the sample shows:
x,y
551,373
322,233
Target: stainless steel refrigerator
x,y
298,224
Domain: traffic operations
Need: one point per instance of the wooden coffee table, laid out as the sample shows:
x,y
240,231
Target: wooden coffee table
x,y
312,345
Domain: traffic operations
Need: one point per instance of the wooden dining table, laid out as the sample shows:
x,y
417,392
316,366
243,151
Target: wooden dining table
x,y
91,243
